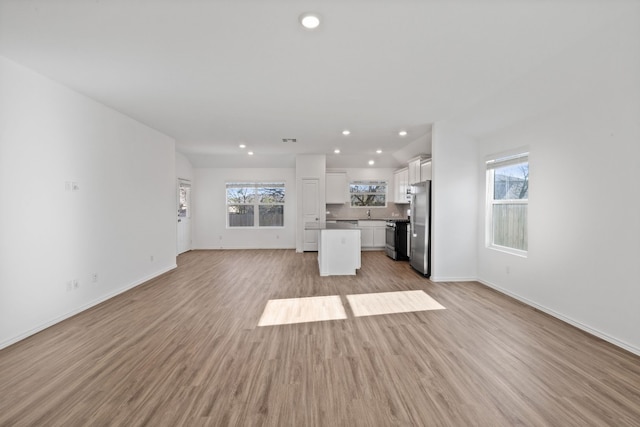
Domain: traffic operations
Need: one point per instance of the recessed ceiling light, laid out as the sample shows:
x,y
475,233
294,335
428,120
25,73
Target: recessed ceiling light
x,y
346,132
337,151
250,153
378,151
371,162
242,146
310,20
402,133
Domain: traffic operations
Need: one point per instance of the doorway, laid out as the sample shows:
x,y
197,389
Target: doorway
x,y
310,213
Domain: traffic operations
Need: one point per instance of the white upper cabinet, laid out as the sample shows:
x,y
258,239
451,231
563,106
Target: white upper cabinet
x,y
400,186
425,170
336,188
419,170
414,171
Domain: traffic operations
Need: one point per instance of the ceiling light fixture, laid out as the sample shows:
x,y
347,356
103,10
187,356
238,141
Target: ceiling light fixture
x,y
242,146
371,162
346,132
378,151
337,151
402,133
250,153
310,21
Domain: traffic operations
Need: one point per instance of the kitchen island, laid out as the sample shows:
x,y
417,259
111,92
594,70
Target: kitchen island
x,y
338,248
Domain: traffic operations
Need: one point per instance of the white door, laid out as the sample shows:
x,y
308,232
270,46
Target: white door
x,y
184,216
310,212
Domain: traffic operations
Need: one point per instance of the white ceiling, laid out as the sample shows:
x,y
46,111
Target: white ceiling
x,y
214,74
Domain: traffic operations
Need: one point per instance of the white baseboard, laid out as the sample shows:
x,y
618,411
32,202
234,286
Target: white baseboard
x,y
573,322
220,248
82,308
453,279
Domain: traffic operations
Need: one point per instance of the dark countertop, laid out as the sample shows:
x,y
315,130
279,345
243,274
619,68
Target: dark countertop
x,y
329,226
344,223
395,218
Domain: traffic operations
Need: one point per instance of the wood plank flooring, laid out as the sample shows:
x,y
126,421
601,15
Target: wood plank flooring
x,y
185,349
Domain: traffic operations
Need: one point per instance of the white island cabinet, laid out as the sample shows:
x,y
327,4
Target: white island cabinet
x,y
339,252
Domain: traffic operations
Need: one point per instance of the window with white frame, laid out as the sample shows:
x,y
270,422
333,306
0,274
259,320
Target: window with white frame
x,y
255,204
508,203
368,193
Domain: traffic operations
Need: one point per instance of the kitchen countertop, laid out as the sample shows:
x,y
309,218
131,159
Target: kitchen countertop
x,y
395,218
329,226
343,223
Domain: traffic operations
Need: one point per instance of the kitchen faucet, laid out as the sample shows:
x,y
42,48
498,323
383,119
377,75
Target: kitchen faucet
x,y
368,213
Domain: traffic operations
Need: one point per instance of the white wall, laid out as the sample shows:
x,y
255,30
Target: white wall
x,y
454,205
209,210
579,114
184,169
122,214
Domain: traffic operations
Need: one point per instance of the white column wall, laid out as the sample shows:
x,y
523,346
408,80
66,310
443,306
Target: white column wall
x,y
454,199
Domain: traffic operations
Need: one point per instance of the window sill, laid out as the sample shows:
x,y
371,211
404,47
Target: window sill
x,y
511,251
271,227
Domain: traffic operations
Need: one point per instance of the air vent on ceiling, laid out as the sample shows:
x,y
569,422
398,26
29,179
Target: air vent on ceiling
x,y
289,140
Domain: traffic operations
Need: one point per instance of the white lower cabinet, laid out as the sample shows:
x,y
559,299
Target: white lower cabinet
x,y
372,234
366,237
379,236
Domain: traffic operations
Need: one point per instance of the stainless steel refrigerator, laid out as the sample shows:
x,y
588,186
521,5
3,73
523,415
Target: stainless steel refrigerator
x,y
420,256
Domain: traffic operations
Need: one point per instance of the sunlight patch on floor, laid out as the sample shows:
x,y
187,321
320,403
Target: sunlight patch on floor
x,y
302,310
391,302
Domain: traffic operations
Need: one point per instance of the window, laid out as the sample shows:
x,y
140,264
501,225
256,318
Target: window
x,y
507,203
368,193
252,204
184,195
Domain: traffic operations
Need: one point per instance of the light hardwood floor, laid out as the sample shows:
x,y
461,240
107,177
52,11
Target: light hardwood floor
x,y
185,349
